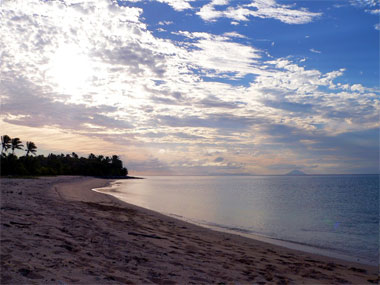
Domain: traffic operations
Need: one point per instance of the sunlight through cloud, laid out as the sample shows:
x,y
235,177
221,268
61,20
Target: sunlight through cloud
x,y
70,69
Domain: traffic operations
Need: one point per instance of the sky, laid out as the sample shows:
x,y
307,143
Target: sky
x,y
183,87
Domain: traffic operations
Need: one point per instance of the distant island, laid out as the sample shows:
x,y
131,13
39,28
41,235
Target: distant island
x,y
296,173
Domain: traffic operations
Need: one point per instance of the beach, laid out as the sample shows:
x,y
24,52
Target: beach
x,y
56,230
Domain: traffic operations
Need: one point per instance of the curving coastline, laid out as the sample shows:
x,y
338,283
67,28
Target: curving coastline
x,y
56,230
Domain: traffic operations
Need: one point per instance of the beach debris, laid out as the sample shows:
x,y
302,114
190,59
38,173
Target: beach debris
x,y
103,207
29,273
145,235
20,224
358,270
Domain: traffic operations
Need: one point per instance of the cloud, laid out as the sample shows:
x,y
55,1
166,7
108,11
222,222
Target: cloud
x,y
134,56
374,12
164,23
287,167
289,106
257,8
26,104
218,55
213,101
369,6
95,69
234,35
219,159
315,51
148,166
187,136
218,121
178,5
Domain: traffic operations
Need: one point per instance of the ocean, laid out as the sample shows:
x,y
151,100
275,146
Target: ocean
x,y
333,215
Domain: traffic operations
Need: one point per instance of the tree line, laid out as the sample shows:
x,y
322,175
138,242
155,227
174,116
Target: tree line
x,y
63,164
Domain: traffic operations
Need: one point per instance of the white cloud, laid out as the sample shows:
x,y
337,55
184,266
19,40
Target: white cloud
x,y
377,27
257,8
234,35
374,12
178,5
294,93
164,23
315,51
369,6
208,13
358,87
217,55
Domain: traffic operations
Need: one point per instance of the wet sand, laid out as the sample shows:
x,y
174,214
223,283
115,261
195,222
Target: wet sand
x,y
57,231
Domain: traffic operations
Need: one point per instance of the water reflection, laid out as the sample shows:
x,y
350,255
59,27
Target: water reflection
x,y
327,212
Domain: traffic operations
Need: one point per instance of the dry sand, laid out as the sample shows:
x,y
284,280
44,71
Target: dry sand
x,y
58,231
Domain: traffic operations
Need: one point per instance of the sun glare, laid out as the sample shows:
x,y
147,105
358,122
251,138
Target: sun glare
x,y
70,69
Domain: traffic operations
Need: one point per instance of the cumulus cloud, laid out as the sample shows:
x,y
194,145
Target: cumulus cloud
x,y
218,55
363,3
177,5
164,23
256,8
234,35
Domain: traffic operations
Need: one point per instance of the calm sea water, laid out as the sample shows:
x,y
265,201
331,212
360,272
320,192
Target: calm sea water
x,y
331,215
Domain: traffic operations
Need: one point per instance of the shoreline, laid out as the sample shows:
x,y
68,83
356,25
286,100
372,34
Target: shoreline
x,y
60,229
293,245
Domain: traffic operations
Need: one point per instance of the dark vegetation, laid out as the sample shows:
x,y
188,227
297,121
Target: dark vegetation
x,y
69,164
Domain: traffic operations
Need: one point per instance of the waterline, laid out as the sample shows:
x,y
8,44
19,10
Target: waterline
x,y
335,216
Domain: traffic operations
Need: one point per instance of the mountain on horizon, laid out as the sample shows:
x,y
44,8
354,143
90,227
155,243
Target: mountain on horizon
x,y
296,172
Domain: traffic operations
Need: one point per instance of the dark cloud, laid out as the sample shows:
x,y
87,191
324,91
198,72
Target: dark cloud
x,y
287,167
134,56
284,133
28,105
121,139
218,121
354,111
289,106
347,149
153,135
187,136
356,146
165,96
181,135
214,102
150,165
163,100
218,159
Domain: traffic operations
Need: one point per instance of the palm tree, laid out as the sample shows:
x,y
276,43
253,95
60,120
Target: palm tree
x,y
30,147
5,143
16,144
